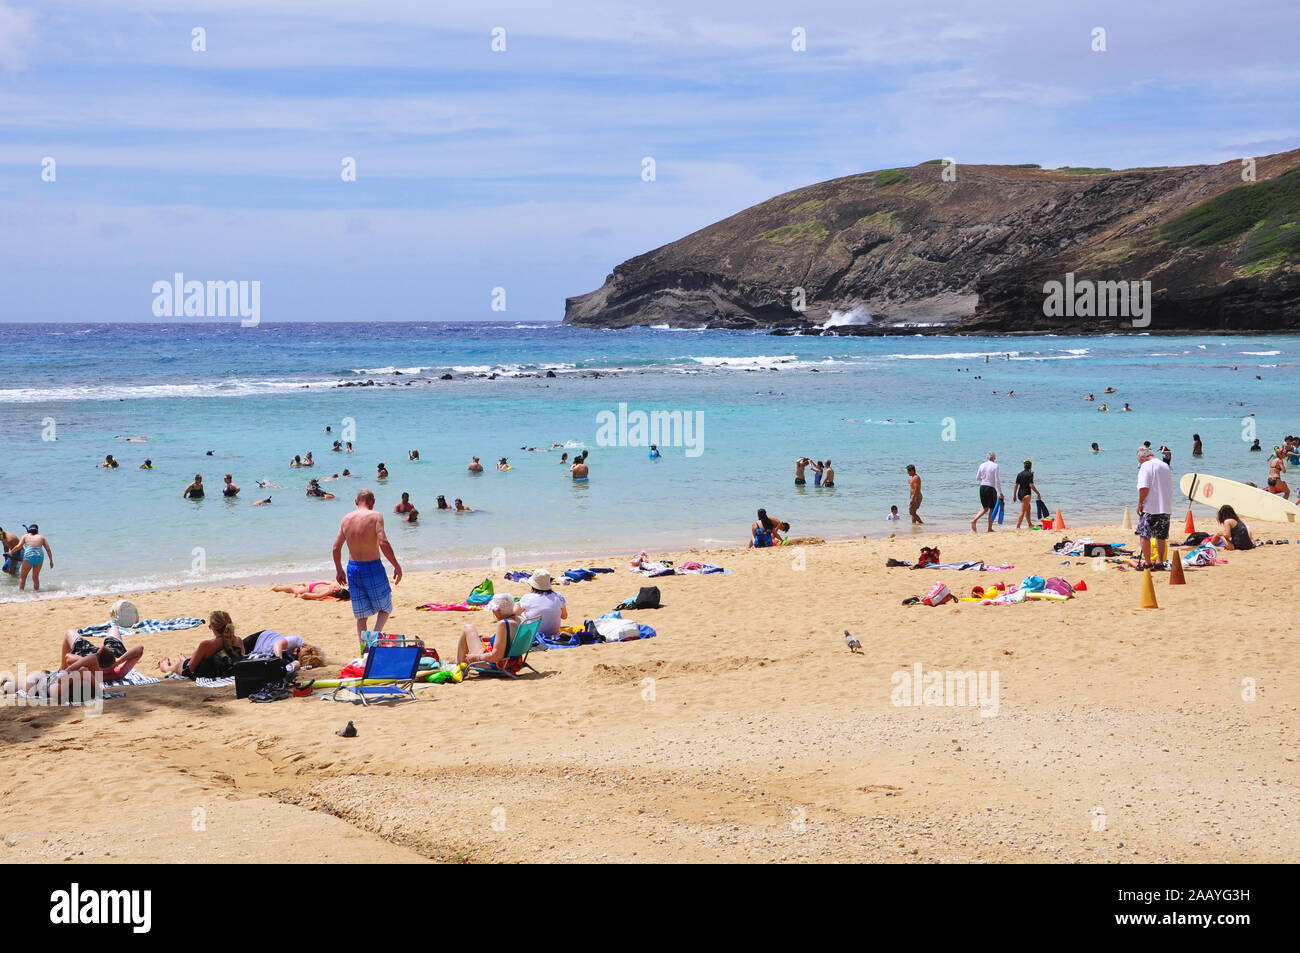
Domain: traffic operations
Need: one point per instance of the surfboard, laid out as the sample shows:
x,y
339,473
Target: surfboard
x,y
1249,502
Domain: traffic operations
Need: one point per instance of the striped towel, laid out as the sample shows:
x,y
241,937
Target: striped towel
x,y
146,625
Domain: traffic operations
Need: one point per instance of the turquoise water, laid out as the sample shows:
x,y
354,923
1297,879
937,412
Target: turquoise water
x,y
258,396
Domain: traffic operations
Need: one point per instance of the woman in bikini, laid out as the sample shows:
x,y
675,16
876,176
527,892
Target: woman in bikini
x,y
315,591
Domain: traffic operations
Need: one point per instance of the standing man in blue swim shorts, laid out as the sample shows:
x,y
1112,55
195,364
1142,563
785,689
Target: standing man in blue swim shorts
x,y
363,531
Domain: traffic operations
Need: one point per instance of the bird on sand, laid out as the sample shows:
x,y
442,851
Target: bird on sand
x,y
852,642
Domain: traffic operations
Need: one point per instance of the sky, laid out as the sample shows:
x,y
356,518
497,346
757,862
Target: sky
x,y
522,168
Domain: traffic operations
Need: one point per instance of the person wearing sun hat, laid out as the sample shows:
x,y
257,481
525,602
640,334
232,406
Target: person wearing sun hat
x,y
544,603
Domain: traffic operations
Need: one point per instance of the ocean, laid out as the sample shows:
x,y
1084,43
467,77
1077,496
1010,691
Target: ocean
x,y
748,404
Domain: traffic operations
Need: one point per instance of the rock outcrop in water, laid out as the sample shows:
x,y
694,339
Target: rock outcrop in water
x,y
909,250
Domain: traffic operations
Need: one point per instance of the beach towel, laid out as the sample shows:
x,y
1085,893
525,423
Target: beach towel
x,y
147,625
579,575
447,607
976,564
213,682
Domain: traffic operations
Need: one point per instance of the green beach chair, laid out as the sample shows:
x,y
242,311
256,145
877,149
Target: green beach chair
x,y
520,645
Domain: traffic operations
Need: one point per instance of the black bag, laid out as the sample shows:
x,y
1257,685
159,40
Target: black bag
x,y
647,598
1196,539
253,674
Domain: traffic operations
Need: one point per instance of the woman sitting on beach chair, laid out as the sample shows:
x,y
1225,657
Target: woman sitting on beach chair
x,y
471,649
214,657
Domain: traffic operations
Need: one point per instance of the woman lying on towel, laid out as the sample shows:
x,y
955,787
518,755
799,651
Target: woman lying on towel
x,y
472,649
323,589
114,659
215,657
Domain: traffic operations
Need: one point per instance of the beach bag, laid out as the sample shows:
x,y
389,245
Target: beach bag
x,y
125,614
937,596
482,595
1201,556
256,672
647,598
612,629
1033,584
1196,539
1059,586
929,556
1042,510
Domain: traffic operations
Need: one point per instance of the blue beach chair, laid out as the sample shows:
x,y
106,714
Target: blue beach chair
x,y
395,659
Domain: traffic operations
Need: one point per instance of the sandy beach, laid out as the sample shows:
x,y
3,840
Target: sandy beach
x,y
745,731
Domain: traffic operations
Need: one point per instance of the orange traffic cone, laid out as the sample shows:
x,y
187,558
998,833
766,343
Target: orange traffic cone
x,y
1176,577
1128,519
1148,600
1189,527
1060,520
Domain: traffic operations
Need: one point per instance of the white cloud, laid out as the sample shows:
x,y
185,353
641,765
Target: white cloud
x,y
17,36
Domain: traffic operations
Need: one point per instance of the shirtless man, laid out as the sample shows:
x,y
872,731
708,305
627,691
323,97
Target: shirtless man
x,y
828,474
914,494
475,466
363,531
579,470
9,542
406,509
798,470
29,549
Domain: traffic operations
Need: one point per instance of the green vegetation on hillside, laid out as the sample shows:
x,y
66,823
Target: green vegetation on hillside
x,y
1082,170
1266,213
812,229
890,177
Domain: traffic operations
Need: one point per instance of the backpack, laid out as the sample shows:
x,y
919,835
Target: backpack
x,y
647,598
929,556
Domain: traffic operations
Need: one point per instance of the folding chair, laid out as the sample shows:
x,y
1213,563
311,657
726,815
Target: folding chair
x,y
392,658
520,645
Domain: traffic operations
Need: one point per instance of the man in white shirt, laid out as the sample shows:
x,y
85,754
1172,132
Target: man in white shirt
x,y
1155,502
990,490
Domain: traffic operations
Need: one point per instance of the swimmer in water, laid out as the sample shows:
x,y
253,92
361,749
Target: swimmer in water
x,y
406,509
475,466
109,463
230,489
195,490
462,508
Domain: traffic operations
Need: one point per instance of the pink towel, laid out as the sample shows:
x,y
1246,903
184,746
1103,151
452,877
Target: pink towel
x,y
447,607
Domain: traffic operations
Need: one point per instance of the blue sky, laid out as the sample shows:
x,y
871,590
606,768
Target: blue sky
x,y
522,169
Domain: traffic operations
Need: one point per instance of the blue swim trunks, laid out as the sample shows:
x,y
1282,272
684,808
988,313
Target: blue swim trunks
x,y
368,586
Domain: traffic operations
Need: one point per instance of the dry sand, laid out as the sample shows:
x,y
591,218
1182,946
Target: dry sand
x,y
746,731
